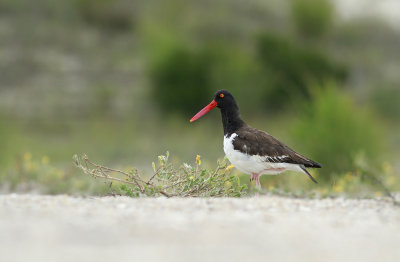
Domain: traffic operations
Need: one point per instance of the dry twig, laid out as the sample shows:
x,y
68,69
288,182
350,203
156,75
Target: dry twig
x,y
167,180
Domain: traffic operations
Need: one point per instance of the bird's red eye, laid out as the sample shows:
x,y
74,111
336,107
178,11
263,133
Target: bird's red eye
x,y
221,95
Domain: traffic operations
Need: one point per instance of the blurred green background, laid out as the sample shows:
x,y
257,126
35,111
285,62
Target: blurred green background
x,y
120,79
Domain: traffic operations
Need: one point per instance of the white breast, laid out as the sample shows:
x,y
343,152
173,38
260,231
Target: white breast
x,y
253,164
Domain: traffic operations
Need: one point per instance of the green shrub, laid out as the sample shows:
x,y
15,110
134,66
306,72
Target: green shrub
x,y
168,180
235,69
9,141
289,69
386,102
312,17
3,141
181,80
333,131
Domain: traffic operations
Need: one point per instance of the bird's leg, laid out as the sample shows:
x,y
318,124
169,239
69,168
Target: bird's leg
x,y
258,184
256,177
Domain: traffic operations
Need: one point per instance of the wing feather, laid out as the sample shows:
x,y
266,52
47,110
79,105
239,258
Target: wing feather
x,y
256,142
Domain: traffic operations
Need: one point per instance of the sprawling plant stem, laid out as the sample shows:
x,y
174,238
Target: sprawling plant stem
x,y
169,181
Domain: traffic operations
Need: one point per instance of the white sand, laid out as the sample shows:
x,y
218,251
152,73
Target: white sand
x,y
64,228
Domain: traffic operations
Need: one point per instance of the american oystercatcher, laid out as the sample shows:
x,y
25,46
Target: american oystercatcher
x,y
250,150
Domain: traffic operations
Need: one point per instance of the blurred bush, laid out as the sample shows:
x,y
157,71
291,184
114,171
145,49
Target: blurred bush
x,y
236,70
182,80
333,131
110,14
312,18
289,69
9,135
4,136
386,102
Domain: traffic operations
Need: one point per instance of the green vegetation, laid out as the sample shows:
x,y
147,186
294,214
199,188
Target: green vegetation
x,y
4,136
386,102
182,80
333,130
366,180
32,174
290,69
9,141
312,18
169,181
120,79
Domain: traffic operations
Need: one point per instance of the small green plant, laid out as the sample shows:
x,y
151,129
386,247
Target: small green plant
x,y
168,180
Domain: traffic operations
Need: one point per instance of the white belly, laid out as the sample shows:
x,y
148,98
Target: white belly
x,y
254,164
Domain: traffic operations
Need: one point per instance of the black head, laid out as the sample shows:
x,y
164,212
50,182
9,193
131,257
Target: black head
x,y
225,100
229,110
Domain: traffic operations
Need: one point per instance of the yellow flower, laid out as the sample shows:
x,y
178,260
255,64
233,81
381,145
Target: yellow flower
x,y
198,160
191,178
228,184
348,176
45,160
378,194
59,174
27,156
229,168
78,184
338,188
387,168
29,166
323,191
391,180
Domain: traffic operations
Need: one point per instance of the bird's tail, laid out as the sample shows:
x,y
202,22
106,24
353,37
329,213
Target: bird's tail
x,y
312,164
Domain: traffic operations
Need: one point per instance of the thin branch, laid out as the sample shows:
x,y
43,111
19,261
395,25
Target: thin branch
x,y
112,178
166,180
135,182
373,177
175,184
155,173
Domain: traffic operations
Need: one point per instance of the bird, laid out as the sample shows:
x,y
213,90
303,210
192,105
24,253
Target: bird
x,y
250,150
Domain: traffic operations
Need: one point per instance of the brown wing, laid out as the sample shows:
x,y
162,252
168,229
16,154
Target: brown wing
x,y
256,142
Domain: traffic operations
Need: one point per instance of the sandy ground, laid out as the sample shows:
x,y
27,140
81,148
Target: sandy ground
x,y
268,228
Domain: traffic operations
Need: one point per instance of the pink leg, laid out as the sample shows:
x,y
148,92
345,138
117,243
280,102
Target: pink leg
x,y
256,177
258,184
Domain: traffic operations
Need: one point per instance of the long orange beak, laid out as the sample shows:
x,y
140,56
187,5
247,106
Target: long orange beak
x,y
204,111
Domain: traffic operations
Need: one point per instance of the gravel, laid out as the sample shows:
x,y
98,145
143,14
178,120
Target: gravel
x,y
265,228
